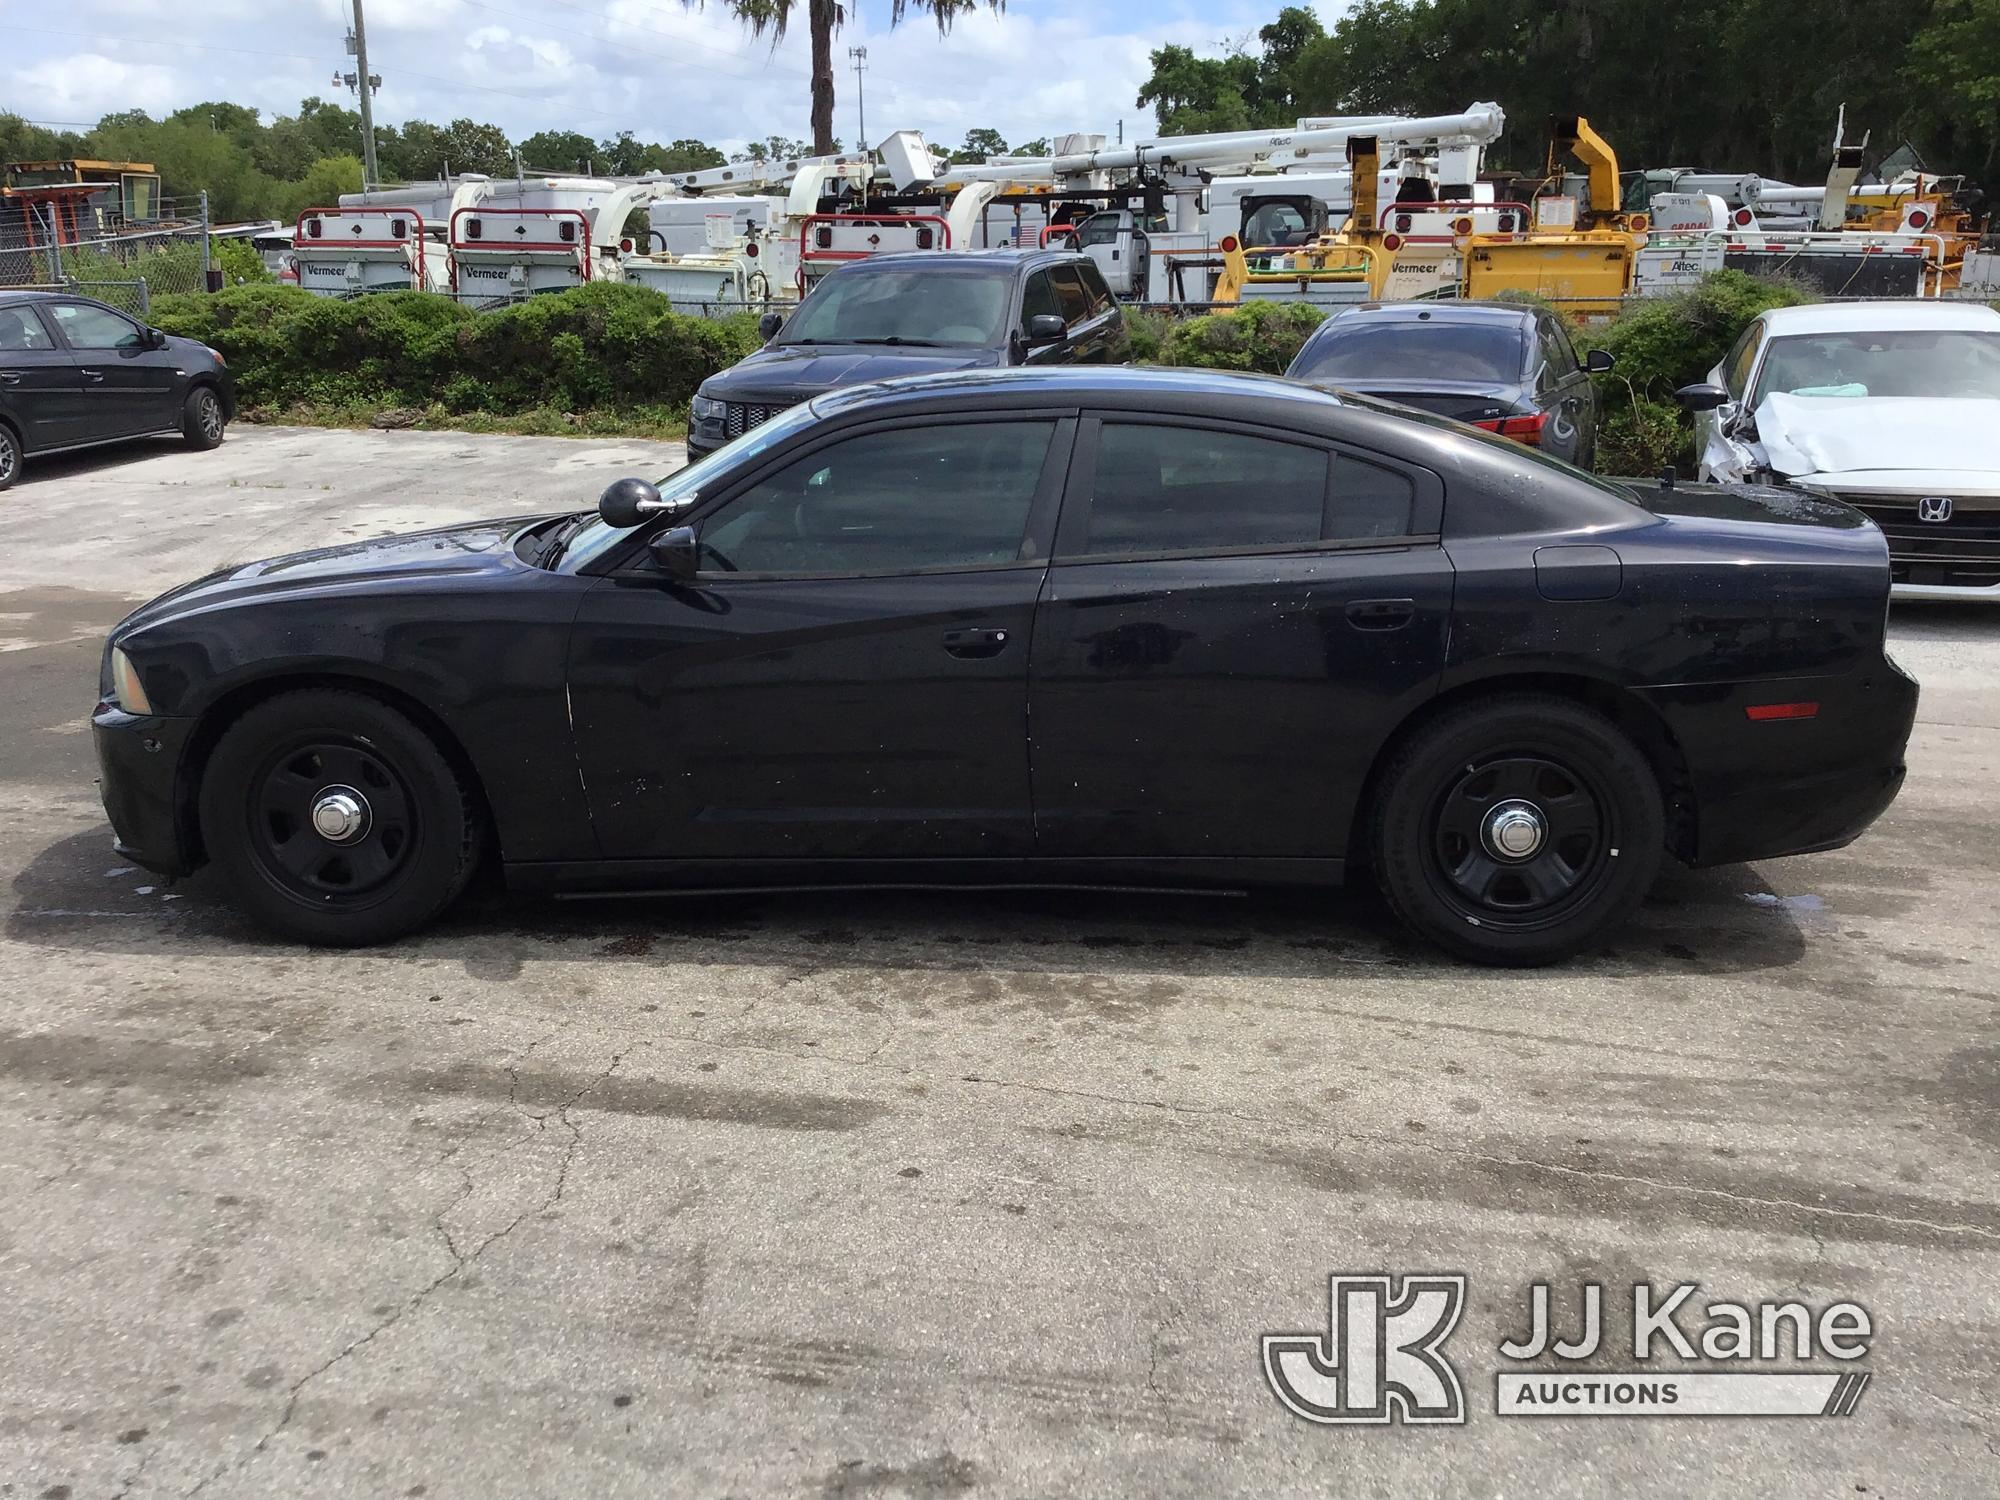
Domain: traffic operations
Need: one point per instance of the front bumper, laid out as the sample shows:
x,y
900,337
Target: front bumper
x,y
139,759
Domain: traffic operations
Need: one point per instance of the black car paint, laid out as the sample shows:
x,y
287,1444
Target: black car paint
x,y
1549,378
59,398
1191,719
781,374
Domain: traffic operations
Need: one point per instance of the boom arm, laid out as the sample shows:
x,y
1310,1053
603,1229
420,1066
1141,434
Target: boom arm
x,y
1572,135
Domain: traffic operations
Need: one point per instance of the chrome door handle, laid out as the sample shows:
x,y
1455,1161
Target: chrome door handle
x,y
95,377
10,377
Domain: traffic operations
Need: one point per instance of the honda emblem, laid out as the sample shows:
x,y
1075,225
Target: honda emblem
x,y
1934,508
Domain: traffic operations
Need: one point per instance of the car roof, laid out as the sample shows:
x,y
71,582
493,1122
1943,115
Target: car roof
x,y
22,296
1880,317
1063,385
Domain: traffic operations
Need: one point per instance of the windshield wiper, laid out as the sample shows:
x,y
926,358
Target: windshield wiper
x,y
897,338
552,546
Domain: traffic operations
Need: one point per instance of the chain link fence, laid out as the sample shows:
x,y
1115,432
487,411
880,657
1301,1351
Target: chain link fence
x,y
127,270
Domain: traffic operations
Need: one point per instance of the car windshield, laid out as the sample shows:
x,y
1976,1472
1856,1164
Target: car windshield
x,y
1911,362
1367,351
684,484
914,305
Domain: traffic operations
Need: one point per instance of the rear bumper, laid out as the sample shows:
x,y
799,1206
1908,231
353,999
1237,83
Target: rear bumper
x,y
1766,789
139,761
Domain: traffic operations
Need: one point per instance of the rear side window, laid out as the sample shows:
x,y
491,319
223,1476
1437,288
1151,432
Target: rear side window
x,y
1184,489
1075,300
1093,283
21,329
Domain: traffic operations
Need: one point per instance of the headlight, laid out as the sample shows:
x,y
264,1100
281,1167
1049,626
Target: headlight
x,y
705,410
216,355
126,690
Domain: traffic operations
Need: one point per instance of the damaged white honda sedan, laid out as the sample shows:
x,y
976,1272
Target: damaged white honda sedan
x,y
1894,407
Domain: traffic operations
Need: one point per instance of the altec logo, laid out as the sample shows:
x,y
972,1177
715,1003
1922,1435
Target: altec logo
x,y
1378,1361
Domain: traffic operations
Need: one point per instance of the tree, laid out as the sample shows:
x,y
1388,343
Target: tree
x,y
825,17
772,148
560,150
1194,95
980,145
322,185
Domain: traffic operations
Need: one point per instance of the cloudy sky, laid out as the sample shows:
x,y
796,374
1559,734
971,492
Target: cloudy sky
x,y
600,66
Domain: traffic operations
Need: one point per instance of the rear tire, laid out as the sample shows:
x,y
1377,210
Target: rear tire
x,y
335,820
1518,830
202,421
10,456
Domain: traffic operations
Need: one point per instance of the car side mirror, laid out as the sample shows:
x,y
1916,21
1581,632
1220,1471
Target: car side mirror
x,y
152,338
627,502
1047,328
676,552
768,326
1701,397
1598,361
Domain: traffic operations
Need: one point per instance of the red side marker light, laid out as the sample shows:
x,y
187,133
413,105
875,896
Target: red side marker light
x,y
1763,712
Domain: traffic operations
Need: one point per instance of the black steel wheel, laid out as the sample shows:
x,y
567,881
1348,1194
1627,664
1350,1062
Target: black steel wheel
x,y
1517,829
201,418
335,819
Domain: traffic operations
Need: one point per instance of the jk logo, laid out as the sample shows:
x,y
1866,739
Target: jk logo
x,y
1378,1360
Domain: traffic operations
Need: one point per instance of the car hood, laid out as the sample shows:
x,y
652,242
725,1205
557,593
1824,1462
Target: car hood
x,y
798,372
1819,437
479,547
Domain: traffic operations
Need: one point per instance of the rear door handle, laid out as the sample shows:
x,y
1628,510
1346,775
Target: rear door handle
x,y
95,377
10,377
1381,614
975,644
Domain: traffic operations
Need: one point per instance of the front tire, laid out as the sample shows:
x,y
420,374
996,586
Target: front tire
x,y
10,457
335,820
202,421
1518,830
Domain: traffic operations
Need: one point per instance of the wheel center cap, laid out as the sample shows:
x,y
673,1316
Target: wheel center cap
x,y
340,814
1514,830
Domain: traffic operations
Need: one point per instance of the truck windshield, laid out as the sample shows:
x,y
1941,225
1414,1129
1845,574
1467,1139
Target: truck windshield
x,y
1911,362
911,305
1366,352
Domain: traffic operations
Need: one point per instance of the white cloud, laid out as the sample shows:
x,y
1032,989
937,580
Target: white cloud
x,y
87,85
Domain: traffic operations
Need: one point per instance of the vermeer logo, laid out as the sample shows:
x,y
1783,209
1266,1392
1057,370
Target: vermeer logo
x,y
1381,1357
1378,1360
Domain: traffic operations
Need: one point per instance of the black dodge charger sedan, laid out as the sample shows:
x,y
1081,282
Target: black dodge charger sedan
x,y
1040,628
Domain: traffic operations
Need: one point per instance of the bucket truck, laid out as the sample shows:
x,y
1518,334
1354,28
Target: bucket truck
x,y
1162,248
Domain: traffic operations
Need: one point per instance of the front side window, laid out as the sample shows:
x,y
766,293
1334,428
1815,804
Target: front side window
x,y
1195,489
1094,283
954,495
89,327
1736,369
1038,299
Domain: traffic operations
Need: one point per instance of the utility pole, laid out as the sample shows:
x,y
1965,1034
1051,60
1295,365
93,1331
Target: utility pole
x,y
860,56
364,87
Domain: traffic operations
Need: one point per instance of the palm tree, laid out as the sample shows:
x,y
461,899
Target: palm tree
x,y
825,17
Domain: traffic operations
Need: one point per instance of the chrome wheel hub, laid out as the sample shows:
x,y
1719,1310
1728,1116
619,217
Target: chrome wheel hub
x,y
340,814
1514,830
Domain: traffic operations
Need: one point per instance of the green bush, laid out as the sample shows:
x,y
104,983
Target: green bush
x,y
1149,334
1658,345
1261,336
607,346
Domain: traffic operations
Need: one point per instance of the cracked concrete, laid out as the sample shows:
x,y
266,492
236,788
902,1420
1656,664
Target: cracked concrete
x,y
928,1195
